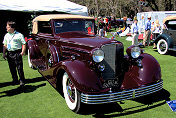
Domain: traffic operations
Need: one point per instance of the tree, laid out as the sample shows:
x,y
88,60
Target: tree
x,y
120,8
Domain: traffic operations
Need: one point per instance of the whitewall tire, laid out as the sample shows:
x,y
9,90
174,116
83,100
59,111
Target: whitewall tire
x,y
29,61
162,46
71,95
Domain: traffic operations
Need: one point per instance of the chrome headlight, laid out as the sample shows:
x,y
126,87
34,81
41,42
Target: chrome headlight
x,y
98,55
135,52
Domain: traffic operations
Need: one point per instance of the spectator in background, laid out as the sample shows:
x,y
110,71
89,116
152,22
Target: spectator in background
x,y
125,22
135,32
152,26
114,22
141,24
156,31
147,32
96,25
123,28
106,26
101,26
15,45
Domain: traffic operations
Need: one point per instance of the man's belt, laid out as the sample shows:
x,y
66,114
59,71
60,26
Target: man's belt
x,y
15,51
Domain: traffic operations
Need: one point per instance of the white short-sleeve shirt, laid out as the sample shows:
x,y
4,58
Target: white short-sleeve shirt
x,y
14,41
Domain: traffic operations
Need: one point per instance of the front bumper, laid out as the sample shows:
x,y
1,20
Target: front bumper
x,y
122,95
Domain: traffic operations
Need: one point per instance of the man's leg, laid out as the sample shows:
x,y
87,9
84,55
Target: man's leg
x,y
136,39
148,38
19,64
146,33
12,66
145,38
133,39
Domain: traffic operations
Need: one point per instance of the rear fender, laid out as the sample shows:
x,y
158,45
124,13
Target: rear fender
x,y
34,50
84,78
135,76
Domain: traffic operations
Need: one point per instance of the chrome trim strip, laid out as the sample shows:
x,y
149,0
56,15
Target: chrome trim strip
x,y
75,49
119,96
57,54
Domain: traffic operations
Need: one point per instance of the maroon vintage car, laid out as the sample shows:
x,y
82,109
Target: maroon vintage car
x,y
86,68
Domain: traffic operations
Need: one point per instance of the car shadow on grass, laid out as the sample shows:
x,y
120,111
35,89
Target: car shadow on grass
x,y
171,53
33,80
19,90
114,109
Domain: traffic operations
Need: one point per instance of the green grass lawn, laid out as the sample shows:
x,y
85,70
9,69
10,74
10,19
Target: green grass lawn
x,y
40,100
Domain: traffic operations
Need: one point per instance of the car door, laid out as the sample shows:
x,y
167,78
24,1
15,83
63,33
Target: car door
x,y
44,34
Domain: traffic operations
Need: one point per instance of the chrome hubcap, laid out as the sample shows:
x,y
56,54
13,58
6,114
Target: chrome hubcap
x,y
162,46
70,90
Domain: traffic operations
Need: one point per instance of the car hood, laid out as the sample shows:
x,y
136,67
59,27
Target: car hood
x,y
84,39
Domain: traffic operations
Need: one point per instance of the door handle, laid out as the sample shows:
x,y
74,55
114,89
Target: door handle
x,y
71,41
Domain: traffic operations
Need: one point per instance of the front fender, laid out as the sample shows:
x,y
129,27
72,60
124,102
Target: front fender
x,y
136,76
166,37
84,78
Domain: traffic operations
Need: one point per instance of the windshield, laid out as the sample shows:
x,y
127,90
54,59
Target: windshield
x,y
86,26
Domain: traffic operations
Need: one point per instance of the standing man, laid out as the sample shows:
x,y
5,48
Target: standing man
x,y
147,32
15,45
135,32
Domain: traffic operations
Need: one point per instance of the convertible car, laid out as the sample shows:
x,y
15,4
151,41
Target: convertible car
x,y
86,68
167,40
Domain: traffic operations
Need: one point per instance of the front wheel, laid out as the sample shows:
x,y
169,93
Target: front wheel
x,y
71,95
162,46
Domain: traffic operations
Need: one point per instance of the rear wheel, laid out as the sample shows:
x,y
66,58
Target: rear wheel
x,y
71,95
162,46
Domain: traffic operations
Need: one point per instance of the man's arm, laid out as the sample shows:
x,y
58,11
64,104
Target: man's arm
x,y
23,49
132,28
146,23
4,52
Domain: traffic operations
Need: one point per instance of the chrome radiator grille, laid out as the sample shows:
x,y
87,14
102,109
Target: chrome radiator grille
x,y
112,53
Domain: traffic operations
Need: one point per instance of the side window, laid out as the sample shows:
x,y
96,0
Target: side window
x,y
171,25
44,27
89,26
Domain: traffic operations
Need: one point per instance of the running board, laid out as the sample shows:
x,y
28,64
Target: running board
x,y
173,49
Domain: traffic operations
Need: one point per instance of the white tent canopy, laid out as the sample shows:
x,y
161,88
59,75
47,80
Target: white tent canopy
x,y
43,5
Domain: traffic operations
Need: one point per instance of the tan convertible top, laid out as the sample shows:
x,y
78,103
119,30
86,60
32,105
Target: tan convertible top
x,y
169,18
54,16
